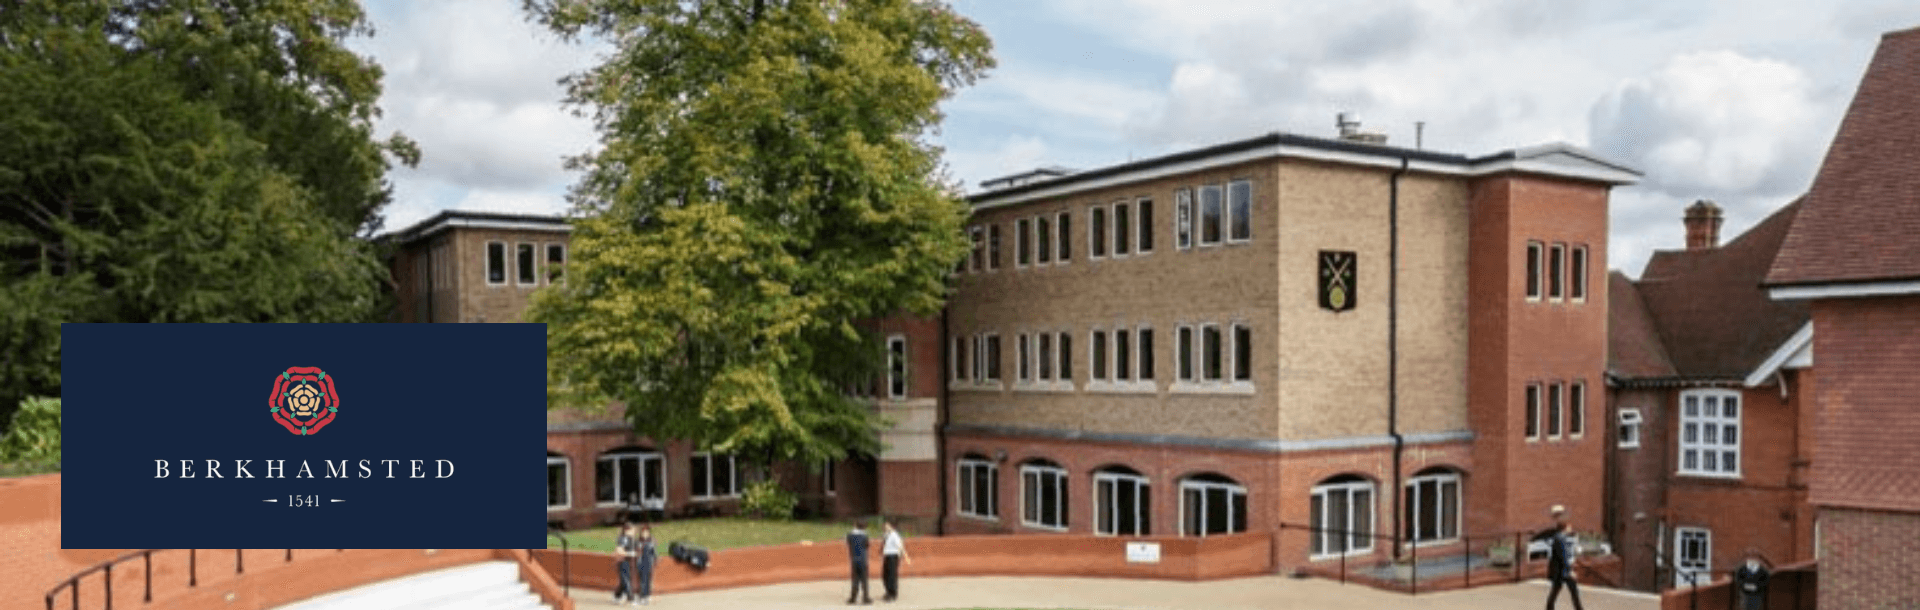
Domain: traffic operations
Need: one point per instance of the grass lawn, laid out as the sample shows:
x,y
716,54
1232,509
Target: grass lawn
x,y
718,533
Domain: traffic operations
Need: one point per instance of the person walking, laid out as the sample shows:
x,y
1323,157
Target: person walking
x,y
623,545
857,552
1560,560
1752,577
644,557
892,551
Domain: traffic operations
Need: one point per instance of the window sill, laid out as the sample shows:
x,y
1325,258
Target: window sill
x,y
558,508
1712,476
1044,528
713,498
1238,388
1051,387
969,386
1123,387
986,518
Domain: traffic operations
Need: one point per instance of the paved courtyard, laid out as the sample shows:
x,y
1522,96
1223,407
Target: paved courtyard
x,y
1256,593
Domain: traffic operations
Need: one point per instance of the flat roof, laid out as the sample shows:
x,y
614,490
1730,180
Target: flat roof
x,y
449,219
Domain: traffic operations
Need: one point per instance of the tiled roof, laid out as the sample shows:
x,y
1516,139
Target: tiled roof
x,y
1863,211
1714,319
1633,342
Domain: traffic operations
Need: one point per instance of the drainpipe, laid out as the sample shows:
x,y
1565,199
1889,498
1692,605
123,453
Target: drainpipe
x,y
1393,348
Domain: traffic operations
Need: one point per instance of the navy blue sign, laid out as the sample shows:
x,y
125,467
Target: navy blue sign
x,y
303,436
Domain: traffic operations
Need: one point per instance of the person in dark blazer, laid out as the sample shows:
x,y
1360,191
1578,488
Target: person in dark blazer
x,y
857,548
1562,553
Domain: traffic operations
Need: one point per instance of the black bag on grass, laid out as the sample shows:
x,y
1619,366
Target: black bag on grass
x,y
688,554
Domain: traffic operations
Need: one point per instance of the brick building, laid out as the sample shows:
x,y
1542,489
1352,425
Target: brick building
x,y
1708,398
1854,255
482,267
1284,329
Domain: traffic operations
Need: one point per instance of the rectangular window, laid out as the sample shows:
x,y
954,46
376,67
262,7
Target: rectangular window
x,y
979,358
1066,357
524,261
1535,250
1144,207
993,357
1692,556
1022,242
559,483
1577,289
1183,219
1120,504
1043,240
1122,355
1240,210
1210,213
1043,497
714,476
1533,411
556,262
1099,355
978,234
979,487
959,358
1210,352
1062,224
1629,429
1242,352
1556,271
1122,229
1097,232
1341,515
897,367
1710,433
1433,508
1046,356
1145,348
496,263
1555,408
1577,409
1026,353
1212,505
828,482
993,247
630,477
1183,352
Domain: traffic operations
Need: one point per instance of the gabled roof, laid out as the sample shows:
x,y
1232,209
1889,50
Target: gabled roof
x,y
1863,211
1714,319
1633,342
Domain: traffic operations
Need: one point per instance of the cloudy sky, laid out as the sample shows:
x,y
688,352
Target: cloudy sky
x,y
1731,100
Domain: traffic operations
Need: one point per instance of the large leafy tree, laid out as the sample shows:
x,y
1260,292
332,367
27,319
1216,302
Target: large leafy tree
x,y
763,184
188,161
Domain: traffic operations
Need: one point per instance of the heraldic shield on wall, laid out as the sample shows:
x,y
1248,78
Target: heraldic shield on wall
x,y
1337,279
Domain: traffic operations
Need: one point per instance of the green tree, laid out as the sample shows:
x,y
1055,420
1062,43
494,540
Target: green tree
x,y
145,176
763,183
32,442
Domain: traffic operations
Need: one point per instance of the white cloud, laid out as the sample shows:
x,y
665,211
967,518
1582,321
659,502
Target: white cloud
x,y
1011,155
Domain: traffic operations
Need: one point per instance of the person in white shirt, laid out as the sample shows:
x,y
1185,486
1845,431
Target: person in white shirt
x,y
892,552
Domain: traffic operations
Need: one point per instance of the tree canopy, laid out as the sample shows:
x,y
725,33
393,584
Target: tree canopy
x,y
763,184
184,161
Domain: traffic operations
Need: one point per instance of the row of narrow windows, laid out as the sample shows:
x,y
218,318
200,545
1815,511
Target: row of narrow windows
x,y
1203,216
1201,353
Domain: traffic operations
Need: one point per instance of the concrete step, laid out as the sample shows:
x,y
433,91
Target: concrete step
x,y
493,585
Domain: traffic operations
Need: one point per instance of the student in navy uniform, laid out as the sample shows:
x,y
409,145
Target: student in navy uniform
x,y
1751,578
1563,550
857,553
892,550
624,546
645,556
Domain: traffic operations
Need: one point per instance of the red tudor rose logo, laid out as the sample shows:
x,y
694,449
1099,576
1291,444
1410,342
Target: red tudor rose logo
x,y
303,400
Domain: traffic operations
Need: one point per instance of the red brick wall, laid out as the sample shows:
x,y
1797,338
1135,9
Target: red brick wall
x,y
1867,559
1638,483
1514,341
910,490
925,378
1867,351
583,448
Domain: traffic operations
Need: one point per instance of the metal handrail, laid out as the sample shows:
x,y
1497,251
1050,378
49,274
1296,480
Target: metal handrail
x,y
566,561
72,583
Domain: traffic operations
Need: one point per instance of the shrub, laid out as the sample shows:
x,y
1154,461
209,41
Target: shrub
x,y
32,443
766,500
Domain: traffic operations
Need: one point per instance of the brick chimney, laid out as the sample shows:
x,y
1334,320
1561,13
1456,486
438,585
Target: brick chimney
x,y
1703,225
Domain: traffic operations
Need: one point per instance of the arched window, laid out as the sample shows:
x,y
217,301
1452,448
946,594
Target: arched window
x,y
978,485
1212,504
1120,502
1342,517
1043,495
1433,506
559,482
630,475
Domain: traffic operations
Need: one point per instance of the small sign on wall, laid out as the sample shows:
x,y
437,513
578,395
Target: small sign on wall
x,y
1337,279
1143,552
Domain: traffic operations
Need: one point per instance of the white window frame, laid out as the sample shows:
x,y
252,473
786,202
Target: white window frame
x,y
620,492
1233,354
829,478
506,269
529,276
898,359
1228,216
1099,360
1143,225
1719,424
981,467
1121,236
1535,269
1534,398
1557,272
1063,224
1123,354
990,345
1041,473
993,247
1023,243
1577,409
960,357
1439,481
1143,504
1630,431
733,480
1320,495
1097,245
1063,345
566,476
1577,264
1224,355
1683,565
1023,357
1143,356
1042,240
1231,489
552,247
1186,366
1183,219
977,255
1043,357
1200,216
1556,410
